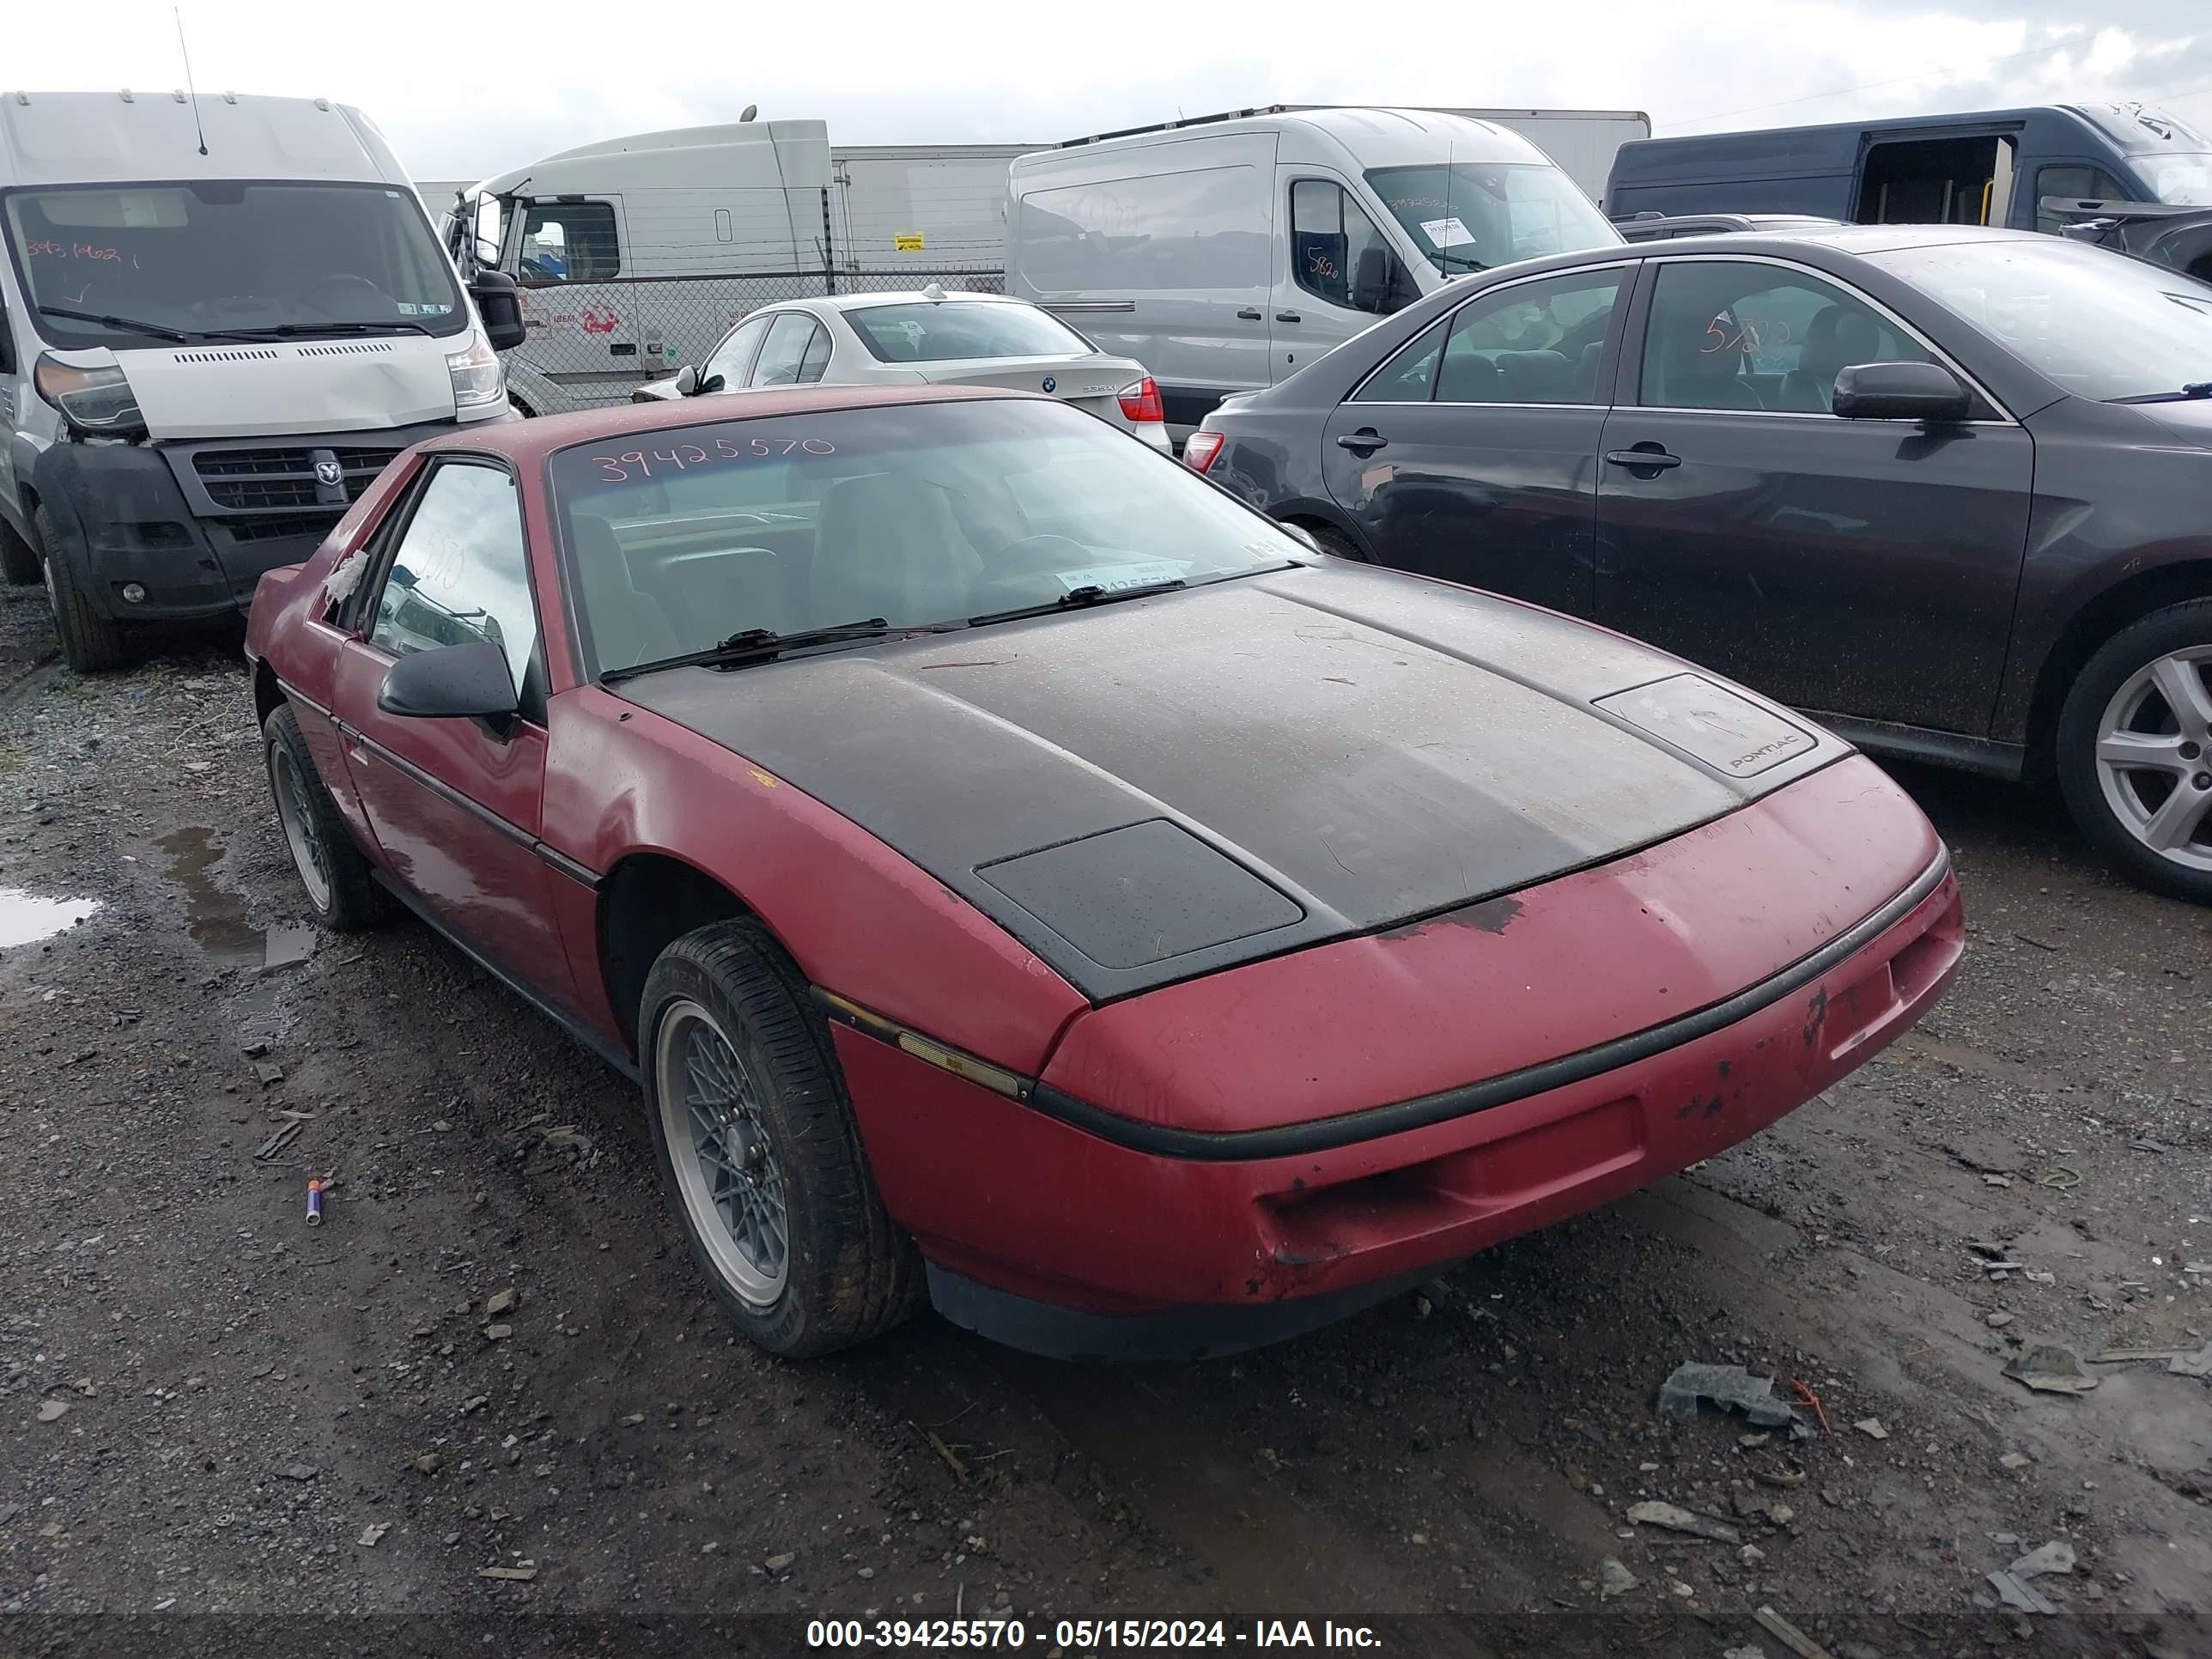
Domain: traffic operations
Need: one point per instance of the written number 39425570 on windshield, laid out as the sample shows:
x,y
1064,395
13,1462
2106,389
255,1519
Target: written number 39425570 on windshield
x,y
616,469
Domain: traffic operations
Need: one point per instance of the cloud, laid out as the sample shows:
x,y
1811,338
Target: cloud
x,y
490,90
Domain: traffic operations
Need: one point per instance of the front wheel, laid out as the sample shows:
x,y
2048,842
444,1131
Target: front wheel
x,y
759,1150
91,643
335,874
2134,751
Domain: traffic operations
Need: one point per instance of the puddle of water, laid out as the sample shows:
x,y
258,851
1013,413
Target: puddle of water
x,y
216,919
26,918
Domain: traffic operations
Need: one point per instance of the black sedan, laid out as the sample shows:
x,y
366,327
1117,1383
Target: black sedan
x,y
1949,488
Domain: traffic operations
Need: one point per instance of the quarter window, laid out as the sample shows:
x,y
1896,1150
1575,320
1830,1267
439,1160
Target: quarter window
x,y
570,242
459,574
1329,234
1533,342
1756,337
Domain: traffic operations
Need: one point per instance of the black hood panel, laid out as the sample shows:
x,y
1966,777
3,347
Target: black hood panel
x,y
1342,749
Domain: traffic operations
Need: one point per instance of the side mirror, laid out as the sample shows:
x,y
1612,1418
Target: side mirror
x,y
712,383
499,302
451,682
1372,286
687,381
1900,392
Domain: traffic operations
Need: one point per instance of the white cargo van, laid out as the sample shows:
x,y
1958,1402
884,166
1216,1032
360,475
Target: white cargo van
x,y
1225,251
217,323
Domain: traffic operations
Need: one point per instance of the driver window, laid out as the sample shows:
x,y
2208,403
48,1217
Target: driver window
x,y
783,358
1328,233
461,574
570,242
1752,338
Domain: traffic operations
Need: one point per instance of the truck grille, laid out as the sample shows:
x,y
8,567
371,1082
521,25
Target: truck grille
x,y
270,526
250,480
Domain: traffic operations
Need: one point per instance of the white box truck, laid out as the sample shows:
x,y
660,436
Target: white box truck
x,y
219,320
636,254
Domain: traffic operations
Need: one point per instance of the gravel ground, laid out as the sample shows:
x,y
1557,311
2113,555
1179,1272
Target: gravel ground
x,y
487,1403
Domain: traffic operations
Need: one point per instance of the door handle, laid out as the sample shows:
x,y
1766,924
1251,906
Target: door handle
x,y
1365,441
1288,317
1249,313
1656,459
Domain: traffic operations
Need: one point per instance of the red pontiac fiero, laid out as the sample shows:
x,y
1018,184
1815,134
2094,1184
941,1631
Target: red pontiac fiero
x,y
1025,877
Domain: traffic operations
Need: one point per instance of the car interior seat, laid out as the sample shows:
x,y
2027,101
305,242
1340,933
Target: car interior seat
x,y
1467,377
888,544
1694,375
1838,337
626,626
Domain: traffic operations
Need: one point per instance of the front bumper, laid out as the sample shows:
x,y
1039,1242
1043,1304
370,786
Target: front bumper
x,y
1088,1247
196,523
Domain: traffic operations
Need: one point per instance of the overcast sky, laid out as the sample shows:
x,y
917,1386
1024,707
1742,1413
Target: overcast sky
x,y
465,90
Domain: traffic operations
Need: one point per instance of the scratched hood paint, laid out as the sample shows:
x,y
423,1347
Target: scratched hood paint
x,y
1370,747
255,390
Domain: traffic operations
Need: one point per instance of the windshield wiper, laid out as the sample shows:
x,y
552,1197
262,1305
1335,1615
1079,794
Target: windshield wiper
x,y
1078,599
381,325
754,645
1459,260
151,331
2189,393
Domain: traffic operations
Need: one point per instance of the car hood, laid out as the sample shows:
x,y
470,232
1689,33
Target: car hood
x,y
2189,419
1150,790
256,389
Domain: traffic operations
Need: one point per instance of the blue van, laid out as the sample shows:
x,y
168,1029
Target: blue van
x,y
1994,168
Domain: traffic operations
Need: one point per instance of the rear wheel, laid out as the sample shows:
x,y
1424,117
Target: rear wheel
x,y
91,643
759,1150
2134,751
19,560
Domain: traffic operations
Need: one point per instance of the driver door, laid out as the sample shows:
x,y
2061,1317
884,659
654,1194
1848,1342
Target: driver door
x,y
454,803
586,333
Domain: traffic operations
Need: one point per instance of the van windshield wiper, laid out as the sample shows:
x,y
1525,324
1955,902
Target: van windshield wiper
x,y
151,331
1078,599
381,325
1459,260
2189,393
752,645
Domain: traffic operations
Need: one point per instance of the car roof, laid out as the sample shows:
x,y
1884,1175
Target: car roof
x,y
1780,242
909,297
526,441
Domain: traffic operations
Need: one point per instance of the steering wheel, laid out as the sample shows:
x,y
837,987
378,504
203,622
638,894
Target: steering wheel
x,y
534,268
345,280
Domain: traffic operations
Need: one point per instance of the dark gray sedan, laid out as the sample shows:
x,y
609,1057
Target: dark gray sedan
x,y
1950,488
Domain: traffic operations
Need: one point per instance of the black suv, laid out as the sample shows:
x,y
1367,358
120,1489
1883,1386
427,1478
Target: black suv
x,y
1949,488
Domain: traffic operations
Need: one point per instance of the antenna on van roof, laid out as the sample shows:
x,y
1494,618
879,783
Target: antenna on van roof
x,y
184,52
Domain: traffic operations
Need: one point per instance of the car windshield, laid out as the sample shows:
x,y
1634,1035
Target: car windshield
x,y
2100,325
921,514
933,332
214,257
2184,180
1471,215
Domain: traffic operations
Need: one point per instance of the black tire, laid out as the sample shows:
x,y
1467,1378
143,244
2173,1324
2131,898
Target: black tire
x,y
1335,542
19,560
2174,631
91,644
849,1272
346,898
